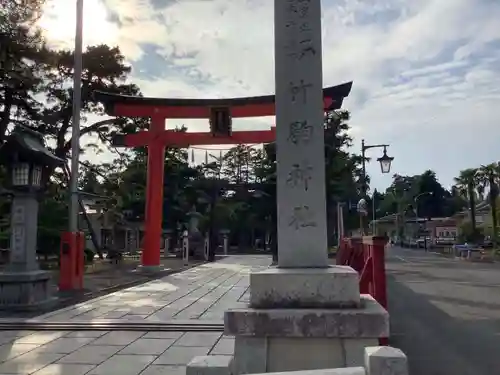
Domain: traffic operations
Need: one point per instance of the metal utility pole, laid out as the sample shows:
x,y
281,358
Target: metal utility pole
x,y
75,133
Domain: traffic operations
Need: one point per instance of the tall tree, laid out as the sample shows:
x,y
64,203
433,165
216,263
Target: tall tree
x,y
466,183
23,58
343,172
488,176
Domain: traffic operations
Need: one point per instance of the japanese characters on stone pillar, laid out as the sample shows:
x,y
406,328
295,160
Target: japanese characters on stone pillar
x,y
302,231
24,218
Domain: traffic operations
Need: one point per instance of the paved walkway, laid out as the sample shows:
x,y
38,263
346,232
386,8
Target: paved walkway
x,y
444,315
201,293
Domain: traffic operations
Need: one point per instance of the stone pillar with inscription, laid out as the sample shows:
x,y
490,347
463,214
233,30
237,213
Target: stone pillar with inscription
x,y
23,286
300,156
303,314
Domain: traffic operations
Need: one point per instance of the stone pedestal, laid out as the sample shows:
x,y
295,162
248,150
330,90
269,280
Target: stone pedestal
x,y
23,286
304,319
25,291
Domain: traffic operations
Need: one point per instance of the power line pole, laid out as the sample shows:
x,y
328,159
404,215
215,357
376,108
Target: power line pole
x,y
75,133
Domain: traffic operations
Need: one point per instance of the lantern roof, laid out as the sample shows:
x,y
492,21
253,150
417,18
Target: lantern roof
x,y
26,145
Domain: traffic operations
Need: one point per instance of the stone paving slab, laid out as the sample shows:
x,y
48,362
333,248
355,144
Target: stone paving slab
x,y
199,294
106,353
202,293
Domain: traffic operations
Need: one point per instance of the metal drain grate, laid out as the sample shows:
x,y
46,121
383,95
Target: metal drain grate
x,y
106,325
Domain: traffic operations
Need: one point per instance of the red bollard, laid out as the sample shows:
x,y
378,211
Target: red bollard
x,y
80,260
71,261
379,276
375,277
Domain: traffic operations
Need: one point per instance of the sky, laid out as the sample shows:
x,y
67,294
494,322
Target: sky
x,y
426,72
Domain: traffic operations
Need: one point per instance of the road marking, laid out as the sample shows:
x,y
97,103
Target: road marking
x,y
402,259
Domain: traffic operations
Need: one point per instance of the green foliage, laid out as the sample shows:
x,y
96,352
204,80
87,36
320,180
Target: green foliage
x,y
469,234
89,256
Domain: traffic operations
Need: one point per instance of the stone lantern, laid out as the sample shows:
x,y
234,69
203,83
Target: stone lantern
x,y
23,286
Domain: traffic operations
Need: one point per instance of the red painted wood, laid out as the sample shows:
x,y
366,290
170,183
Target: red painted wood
x,y
367,257
248,110
154,195
173,138
72,262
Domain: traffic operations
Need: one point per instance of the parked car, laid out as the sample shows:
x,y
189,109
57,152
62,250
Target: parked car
x,y
421,242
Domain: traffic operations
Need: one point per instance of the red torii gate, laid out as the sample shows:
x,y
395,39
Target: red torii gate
x,y
157,138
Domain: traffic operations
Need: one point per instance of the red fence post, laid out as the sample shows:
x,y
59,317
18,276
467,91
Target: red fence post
x,y
71,267
374,247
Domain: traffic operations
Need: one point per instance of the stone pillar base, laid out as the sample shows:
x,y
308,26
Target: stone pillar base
x,y
304,319
376,360
274,340
25,291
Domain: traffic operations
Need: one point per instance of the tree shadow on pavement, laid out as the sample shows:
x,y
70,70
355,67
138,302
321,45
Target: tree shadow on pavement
x,y
437,343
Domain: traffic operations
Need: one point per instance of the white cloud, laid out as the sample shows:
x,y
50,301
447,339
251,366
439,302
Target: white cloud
x,y
425,76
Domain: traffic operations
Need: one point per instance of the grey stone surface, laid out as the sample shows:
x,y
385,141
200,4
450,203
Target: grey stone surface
x,y
40,338
336,286
28,363
302,231
63,369
24,228
164,370
10,351
225,346
354,350
180,355
200,294
210,365
385,360
123,365
250,355
64,345
94,334
23,286
148,346
199,339
293,354
369,321
91,354
336,371
119,338
25,290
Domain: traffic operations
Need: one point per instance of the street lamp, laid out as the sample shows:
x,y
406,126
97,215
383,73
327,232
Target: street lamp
x,y
416,200
385,160
23,286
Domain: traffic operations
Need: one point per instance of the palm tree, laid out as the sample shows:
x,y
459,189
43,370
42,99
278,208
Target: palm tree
x,y
466,183
489,176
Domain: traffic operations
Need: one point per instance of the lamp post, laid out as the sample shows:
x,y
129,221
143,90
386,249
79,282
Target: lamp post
x,y
417,198
385,161
23,286
416,214
75,129
385,166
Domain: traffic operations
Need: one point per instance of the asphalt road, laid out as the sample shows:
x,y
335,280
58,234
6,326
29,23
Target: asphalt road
x,y
445,313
